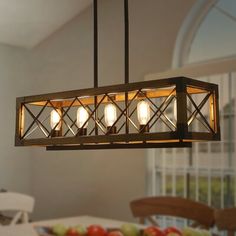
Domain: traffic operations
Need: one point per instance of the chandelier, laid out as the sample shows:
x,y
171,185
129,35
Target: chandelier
x,y
170,112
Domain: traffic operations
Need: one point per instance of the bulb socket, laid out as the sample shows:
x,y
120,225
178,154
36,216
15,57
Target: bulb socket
x,y
143,128
82,132
111,130
111,98
142,95
56,133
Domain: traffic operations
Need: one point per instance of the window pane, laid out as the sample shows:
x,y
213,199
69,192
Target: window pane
x,y
216,35
216,192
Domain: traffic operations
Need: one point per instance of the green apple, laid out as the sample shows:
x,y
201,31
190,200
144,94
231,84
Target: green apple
x,y
129,230
188,231
205,232
59,230
81,230
198,232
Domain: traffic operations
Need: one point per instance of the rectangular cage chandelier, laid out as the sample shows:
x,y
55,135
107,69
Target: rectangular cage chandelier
x,y
171,112
159,113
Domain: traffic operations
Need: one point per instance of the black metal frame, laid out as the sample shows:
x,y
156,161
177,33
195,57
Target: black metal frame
x,y
179,88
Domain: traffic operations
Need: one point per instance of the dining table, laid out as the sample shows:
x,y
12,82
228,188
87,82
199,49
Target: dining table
x,y
30,228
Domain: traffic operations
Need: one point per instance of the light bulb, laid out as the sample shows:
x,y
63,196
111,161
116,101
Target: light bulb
x,y
143,111
82,116
55,118
110,114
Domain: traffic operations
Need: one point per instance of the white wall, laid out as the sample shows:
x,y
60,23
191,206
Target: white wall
x,y
100,183
15,80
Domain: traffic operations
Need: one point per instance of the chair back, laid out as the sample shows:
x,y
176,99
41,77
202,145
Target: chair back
x,y
225,219
22,204
145,208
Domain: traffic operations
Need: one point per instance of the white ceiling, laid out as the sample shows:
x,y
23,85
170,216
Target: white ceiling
x,y
26,23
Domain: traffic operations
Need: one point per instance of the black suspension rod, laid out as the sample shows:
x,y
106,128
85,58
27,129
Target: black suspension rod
x,y
126,47
95,41
126,21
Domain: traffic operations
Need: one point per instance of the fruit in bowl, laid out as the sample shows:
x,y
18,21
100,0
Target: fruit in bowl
x,y
59,230
189,231
172,231
115,233
129,230
153,231
96,230
81,230
72,232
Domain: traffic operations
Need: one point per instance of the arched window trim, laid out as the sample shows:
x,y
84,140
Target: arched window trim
x,y
188,31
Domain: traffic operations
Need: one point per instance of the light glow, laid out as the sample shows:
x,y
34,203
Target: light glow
x,y
82,116
175,109
55,119
143,111
110,114
212,112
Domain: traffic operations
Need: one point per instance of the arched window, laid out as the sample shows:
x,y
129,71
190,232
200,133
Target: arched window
x,y
216,36
206,50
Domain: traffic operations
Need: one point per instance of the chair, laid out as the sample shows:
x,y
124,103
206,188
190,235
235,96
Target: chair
x,y
225,219
201,214
20,203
